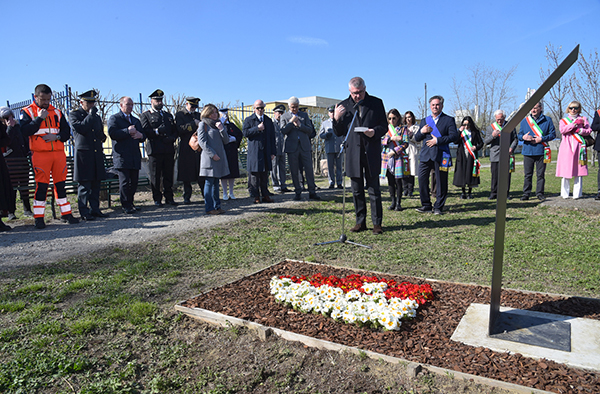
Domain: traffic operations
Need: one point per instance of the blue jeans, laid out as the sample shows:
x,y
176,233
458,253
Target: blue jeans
x,y
211,194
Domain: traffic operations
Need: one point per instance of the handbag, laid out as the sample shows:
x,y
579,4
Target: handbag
x,y
589,140
194,142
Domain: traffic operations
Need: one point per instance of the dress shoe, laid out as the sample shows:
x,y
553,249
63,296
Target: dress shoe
x,y
186,201
129,211
463,196
297,197
377,229
99,214
214,212
285,190
423,209
220,210
358,228
158,204
39,223
340,186
172,203
398,208
541,197
331,186
314,196
525,198
136,208
257,200
4,227
393,206
492,197
267,199
88,217
597,198
438,212
69,218
12,216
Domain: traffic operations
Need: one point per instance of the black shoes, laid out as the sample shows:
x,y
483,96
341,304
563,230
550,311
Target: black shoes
x,y
69,218
438,212
129,211
525,197
172,203
99,214
88,217
4,227
39,223
331,186
423,209
314,196
541,197
597,198
158,204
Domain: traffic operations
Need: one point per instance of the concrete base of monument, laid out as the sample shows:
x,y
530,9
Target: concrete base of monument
x,y
584,336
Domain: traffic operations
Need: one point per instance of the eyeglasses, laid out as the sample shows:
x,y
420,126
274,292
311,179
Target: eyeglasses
x,y
261,108
571,108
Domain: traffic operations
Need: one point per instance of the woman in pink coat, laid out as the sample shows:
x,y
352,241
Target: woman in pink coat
x,y
572,153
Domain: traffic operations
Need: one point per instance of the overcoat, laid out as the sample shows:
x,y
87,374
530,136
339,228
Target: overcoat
x,y
213,142
261,144
567,162
231,149
463,172
188,165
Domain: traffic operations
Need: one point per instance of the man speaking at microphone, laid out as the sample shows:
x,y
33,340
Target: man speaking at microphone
x,y
47,130
363,149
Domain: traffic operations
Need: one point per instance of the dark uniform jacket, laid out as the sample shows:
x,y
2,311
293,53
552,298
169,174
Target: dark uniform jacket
x,y
261,144
188,166
88,136
19,146
159,128
126,150
231,150
373,117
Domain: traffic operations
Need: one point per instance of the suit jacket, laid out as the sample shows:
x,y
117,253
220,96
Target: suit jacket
x,y
159,128
126,150
261,144
495,143
88,136
447,128
596,127
297,136
363,151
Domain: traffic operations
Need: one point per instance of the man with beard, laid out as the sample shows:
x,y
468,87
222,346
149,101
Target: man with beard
x,y
47,130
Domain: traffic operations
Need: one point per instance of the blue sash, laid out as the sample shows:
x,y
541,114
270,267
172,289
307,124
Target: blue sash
x,y
446,156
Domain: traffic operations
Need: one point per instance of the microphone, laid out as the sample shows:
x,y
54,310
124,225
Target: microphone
x,y
358,104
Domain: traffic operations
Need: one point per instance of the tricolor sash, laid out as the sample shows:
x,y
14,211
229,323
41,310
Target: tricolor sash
x,y
539,133
511,163
583,148
401,163
446,156
469,146
496,126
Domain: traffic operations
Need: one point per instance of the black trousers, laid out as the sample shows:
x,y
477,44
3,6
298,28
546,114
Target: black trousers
x,y
258,184
494,191
528,163
360,202
88,193
161,169
128,181
187,188
441,184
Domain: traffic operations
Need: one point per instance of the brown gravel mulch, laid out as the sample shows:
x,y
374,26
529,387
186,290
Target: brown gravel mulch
x,y
425,339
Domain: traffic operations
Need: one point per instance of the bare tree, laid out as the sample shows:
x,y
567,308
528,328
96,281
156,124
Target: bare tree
x,y
485,90
555,99
586,88
106,105
421,111
175,103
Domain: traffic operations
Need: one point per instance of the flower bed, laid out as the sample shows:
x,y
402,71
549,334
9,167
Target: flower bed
x,y
354,299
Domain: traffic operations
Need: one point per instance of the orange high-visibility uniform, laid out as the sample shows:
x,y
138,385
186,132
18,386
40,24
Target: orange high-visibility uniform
x,y
48,158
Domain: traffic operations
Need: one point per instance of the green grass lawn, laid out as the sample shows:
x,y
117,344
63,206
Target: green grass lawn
x,y
106,324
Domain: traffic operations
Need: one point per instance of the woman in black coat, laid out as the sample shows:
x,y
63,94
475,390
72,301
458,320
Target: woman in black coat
x,y
466,174
7,201
231,149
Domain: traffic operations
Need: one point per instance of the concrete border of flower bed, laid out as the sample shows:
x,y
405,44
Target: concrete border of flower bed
x,y
411,368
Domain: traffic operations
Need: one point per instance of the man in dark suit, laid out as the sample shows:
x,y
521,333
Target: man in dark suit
x,y
88,136
298,130
437,130
125,130
363,149
159,128
188,164
259,130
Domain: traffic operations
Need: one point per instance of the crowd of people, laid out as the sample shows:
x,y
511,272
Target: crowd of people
x,y
376,145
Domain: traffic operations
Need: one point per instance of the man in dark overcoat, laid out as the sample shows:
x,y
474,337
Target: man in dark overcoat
x,y
363,149
159,128
188,165
125,130
88,136
259,130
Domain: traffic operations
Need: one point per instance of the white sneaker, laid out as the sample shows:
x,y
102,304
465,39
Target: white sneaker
x,y
225,197
231,196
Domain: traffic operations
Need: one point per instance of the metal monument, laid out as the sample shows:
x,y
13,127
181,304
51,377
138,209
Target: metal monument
x,y
506,325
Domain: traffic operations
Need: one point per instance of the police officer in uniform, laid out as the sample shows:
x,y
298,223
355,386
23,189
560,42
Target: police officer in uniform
x,y
188,165
88,136
159,127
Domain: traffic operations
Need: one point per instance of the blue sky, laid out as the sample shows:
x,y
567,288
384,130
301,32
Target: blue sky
x,y
229,51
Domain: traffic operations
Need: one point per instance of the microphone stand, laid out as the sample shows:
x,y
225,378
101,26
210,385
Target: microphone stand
x,y
343,239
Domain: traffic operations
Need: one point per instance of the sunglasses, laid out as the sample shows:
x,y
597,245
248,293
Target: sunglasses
x,y
260,107
392,117
573,107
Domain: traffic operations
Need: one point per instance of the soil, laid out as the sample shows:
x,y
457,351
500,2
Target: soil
x,y
425,339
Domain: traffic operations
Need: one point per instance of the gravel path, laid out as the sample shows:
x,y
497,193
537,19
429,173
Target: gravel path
x,y
27,246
